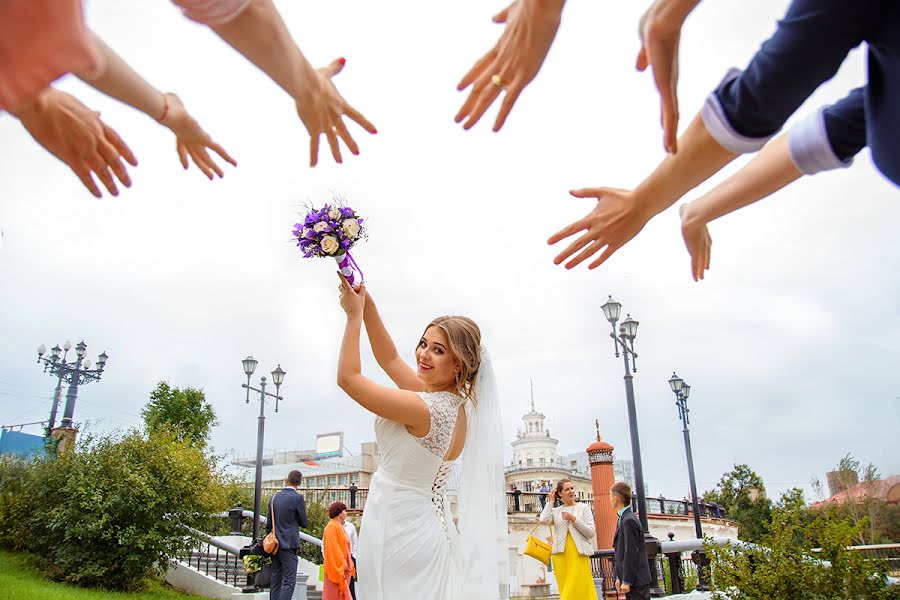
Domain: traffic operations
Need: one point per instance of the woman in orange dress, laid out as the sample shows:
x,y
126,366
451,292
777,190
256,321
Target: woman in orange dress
x,y
338,564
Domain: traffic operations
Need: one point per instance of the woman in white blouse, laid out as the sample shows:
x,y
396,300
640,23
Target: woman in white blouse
x,y
573,542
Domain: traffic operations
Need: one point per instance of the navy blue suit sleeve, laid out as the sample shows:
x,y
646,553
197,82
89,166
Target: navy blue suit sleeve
x,y
845,124
301,513
830,137
807,48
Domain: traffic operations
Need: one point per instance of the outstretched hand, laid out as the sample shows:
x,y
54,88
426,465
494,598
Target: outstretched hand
x,y
513,62
321,108
74,134
192,140
698,242
660,32
615,220
353,298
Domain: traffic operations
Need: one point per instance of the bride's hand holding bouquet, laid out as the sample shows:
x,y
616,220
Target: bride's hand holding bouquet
x,y
353,298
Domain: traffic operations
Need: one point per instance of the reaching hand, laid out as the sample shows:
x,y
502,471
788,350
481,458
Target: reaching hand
x,y
698,242
75,135
322,108
660,31
353,298
514,61
191,139
614,221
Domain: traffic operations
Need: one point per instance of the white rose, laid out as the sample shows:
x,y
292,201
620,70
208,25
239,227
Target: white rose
x,y
330,244
351,228
334,213
320,226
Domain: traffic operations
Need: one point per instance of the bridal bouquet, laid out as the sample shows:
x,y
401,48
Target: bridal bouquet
x,y
331,231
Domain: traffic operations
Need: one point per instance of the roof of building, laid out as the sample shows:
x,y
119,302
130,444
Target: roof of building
x,y
887,489
311,468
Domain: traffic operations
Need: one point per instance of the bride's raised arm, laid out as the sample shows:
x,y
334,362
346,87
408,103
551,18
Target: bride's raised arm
x,y
386,352
402,406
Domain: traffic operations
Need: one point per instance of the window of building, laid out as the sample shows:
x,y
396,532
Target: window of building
x,y
543,461
528,487
344,480
530,462
332,480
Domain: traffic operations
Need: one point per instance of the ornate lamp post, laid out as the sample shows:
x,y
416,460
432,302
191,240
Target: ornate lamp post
x,y
623,341
74,373
277,378
682,391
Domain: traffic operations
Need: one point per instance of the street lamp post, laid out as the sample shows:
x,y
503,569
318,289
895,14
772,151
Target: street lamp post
x,y
682,391
624,344
74,373
277,378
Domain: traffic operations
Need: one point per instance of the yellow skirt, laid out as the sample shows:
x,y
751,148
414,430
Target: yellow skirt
x,y
573,573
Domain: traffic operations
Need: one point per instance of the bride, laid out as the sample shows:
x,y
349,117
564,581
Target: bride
x,y
409,544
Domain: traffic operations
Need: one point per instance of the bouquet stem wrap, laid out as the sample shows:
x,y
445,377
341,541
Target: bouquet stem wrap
x,y
348,268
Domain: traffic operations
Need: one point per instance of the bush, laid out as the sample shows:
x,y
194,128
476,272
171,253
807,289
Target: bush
x,y
782,567
110,513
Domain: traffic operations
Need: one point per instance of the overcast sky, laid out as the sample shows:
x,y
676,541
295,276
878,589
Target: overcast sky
x,y
791,344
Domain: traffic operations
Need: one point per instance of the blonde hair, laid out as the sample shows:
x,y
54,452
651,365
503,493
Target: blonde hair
x,y
464,339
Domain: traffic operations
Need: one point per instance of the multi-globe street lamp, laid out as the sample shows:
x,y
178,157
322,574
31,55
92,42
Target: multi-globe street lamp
x,y
682,391
623,339
249,364
75,373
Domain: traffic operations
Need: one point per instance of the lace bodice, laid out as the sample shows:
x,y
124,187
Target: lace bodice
x,y
444,409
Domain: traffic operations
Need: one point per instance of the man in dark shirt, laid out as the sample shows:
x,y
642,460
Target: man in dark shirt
x,y
287,510
632,568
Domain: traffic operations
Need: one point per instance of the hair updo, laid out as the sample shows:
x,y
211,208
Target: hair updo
x,y
464,339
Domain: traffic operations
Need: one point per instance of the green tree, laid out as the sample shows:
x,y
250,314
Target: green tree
x,y
111,512
781,566
742,494
183,411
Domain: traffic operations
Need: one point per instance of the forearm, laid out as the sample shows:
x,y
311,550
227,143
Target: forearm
x,y
546,514
349,365
768,172
699,157
382,345
117,79
260,34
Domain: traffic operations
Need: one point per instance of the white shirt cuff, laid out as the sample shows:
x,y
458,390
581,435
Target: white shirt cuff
x,y
809,146
720,128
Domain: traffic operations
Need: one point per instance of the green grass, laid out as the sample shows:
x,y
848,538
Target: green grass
x,y
21,580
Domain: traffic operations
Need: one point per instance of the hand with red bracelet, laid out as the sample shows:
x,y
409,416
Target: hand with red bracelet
x,y
192,140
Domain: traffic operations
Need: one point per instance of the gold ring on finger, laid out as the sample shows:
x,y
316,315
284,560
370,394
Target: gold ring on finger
x,y
497,80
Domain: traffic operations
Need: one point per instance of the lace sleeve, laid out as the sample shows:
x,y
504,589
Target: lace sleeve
x,y
442,408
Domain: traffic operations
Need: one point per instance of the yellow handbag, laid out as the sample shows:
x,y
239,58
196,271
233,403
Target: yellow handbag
x,y
537,548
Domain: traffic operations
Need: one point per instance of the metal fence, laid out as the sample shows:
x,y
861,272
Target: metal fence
x,y
890,553
355,500
214,558
519,501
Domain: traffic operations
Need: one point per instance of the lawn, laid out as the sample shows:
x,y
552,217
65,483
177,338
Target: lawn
x,y
21,580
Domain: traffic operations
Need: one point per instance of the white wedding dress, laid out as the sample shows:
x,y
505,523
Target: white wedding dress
x,y
408,542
